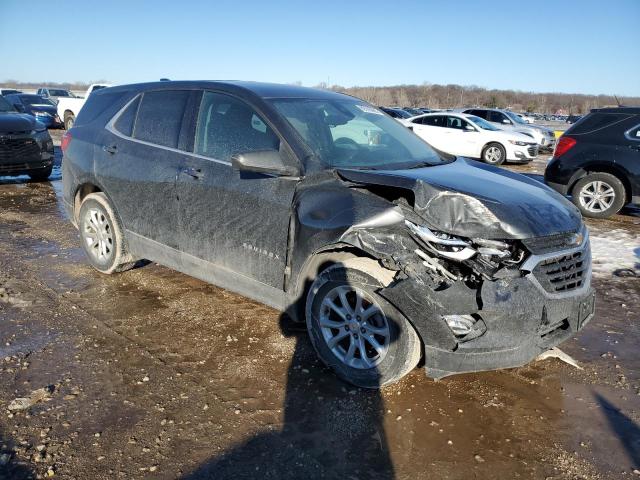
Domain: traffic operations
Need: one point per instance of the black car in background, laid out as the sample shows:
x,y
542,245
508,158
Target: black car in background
x,y
318,204
597,161
25,144
42,108
395,112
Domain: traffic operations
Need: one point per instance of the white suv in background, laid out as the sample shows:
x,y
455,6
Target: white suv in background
x,y
469,136
507,120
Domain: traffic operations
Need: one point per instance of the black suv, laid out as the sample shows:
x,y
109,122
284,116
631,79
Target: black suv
x,y
25,144
597,161
320,205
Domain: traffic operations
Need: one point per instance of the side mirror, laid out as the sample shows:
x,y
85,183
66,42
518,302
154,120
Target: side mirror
x,y
268,162
469,128
506,121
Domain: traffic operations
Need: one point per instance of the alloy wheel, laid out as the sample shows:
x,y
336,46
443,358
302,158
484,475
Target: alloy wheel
x,y
493,154
98,235
597,196
354,327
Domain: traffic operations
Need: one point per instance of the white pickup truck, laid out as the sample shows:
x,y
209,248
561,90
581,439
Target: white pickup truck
x,y
68,108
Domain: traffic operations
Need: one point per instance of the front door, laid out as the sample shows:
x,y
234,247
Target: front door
x,y
238,223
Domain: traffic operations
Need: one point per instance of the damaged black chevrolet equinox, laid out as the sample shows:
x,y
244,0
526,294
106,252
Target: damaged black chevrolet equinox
x,y
322,206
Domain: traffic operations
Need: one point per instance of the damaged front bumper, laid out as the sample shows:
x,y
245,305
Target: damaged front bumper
x,y
516,318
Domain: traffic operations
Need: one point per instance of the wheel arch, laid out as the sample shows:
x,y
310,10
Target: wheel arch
x,y
316,262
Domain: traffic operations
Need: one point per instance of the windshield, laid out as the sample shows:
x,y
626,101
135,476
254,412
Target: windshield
x,y
6,106
351,134
515,117
35,100
482,123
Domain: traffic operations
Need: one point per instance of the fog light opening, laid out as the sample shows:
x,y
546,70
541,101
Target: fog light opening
x,y
460,325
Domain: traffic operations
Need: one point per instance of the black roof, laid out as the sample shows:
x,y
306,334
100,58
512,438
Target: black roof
x,y
629,110
260,89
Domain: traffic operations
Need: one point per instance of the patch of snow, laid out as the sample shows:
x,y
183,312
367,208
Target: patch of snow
x,y
614,250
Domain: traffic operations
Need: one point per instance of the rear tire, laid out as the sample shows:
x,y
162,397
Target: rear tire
x,y
101,235
367,342
69,120
41,175
598,195
494,154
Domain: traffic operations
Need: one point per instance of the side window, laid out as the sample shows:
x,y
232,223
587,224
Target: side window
x,y
497,117
125,122
455,122
160,117
227,126
435,121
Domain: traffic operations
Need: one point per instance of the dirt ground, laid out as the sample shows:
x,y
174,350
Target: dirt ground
x,y
152,374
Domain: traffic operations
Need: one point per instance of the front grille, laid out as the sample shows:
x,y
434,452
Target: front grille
x,y
17,150
533,150
550,243
563,273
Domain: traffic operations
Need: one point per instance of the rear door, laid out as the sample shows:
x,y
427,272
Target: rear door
x,y
431,130
238,222
138,159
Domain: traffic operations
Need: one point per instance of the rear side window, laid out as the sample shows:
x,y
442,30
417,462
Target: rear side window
x,y
125,122
227,126
596,121
160,117
436,121
96,105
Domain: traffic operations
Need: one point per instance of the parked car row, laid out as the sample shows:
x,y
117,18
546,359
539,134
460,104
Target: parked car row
x,y
471,136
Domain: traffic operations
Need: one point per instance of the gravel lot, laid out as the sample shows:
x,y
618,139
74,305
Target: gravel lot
x,y
153,374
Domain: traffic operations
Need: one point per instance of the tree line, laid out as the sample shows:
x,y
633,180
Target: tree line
x,y
430,95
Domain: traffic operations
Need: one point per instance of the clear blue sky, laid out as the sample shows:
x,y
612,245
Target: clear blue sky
x,y
577,46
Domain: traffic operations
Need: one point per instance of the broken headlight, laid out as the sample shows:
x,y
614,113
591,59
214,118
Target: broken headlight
x,y
442,243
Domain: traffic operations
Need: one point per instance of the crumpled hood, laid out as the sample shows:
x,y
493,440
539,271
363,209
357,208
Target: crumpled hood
x,y
470,199
16,122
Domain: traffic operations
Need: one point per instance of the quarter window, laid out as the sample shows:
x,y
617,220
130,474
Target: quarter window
x,y
634,133
227,126
160,117
125,122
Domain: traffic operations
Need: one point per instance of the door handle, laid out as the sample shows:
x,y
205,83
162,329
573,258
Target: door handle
x,y
111,149
193,172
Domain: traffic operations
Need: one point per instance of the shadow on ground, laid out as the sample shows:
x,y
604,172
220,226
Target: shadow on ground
x,y
330,429
627,431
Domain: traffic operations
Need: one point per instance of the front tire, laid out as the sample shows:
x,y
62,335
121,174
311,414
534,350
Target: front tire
x,y
355,331
598,195
494,154
101,235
